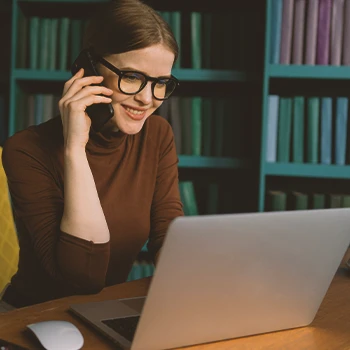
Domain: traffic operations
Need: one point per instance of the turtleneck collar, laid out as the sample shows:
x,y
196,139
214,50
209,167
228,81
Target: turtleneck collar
x,y
105,141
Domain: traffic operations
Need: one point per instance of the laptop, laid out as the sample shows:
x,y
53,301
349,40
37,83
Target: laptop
x,y
227,276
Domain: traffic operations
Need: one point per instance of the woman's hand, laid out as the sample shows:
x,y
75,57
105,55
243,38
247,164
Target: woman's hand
x,y
77,95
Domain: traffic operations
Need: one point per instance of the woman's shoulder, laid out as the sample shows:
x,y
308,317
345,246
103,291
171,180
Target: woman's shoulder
x,y
35,138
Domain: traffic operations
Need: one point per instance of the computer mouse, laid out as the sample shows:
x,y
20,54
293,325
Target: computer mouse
x,y
57,335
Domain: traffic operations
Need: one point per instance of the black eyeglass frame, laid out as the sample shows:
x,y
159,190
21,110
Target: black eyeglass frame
x,y
121,73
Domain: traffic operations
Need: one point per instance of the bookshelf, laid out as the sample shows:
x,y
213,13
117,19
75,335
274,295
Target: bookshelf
x,y
321,81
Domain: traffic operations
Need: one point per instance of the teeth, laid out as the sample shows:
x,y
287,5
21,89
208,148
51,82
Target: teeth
x,y
133,111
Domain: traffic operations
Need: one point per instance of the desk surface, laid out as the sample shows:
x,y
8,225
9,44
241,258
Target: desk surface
x,y
329,330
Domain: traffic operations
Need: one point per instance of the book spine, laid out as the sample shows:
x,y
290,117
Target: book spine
x,y
272,122
287,29
276,25
196,40
311,32
336,32
341,122
326,130
323,32
284,129
298,31
298,129
346,35
312,129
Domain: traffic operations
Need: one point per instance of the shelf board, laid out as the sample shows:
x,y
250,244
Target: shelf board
x,y
36,74
308,72
186,161
187,74
182,74
308,170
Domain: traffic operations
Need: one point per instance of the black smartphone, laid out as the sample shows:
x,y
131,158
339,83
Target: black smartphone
x,y
99,113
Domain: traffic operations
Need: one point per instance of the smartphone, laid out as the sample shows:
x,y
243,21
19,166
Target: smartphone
x,y
99,113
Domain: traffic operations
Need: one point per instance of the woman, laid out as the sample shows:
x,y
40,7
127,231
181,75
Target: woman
x,y
85,202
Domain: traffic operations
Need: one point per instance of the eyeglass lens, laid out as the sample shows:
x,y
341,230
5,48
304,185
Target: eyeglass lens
x,y
132,82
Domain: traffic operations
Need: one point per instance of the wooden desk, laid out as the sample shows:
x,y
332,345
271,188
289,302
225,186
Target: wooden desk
x,y
330,329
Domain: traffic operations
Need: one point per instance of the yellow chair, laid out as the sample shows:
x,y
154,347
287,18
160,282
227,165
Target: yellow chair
x,y
9,248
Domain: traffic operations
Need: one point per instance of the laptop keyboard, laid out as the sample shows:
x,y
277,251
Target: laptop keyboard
x,y
126,327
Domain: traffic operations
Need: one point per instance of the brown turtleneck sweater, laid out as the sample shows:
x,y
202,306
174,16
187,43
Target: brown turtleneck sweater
x,y
137,181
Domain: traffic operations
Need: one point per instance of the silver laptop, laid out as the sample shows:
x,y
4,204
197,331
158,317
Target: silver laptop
x,y
228,276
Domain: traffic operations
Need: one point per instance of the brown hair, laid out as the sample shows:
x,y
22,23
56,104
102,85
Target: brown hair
x,y
126,25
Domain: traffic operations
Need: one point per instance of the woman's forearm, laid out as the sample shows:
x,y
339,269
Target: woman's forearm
x,y
83,216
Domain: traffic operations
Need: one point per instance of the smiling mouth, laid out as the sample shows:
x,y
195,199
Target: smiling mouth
x,y
135,114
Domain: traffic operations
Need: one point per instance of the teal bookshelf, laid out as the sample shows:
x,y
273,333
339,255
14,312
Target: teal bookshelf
x,y
318,77
255,80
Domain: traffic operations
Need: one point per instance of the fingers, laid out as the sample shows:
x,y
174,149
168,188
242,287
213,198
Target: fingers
x,y
79,74
79,87
90,90
79,105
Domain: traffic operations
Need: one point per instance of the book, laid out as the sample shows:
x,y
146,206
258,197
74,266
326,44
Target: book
x,y
63,36
326,130
196,127
75,39
175,23
284,129
298,201
323,32
313,117
341,123
298,31
287,31
276,24
334,200
272,122
318,201
311,32
345,203
196,40
188,197
336,32
22,41
44,41
298,129
207,127
34,30
276,201
52,59
346,35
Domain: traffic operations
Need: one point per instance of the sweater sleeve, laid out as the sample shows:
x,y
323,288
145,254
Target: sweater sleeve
x,y
38,203
166,204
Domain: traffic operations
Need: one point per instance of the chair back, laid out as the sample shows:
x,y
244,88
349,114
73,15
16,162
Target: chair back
x,y
9,248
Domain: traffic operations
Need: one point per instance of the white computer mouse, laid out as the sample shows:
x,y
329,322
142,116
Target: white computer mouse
x,y
57,335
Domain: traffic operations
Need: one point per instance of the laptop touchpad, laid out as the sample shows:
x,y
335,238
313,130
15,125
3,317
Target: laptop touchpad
x,y
134,303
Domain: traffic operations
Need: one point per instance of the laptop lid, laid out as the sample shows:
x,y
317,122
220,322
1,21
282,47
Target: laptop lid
x,y
227,276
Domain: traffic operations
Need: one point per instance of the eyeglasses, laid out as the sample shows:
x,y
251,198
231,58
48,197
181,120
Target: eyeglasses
x,y
132,82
